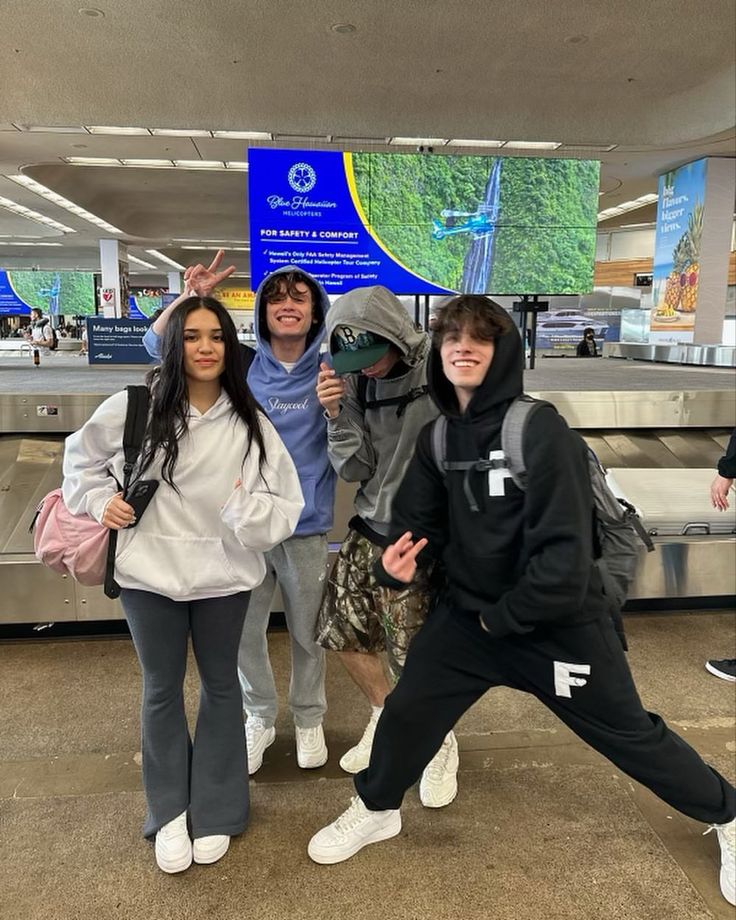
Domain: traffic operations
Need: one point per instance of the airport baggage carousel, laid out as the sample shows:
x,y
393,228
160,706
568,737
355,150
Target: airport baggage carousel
x,y
647,417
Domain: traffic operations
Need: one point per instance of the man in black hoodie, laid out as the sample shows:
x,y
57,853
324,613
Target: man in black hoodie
x,y
523,606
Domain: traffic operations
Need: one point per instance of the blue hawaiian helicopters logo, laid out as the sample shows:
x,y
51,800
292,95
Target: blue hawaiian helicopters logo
x,y
302,178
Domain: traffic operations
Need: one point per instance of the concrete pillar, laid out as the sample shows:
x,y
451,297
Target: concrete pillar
x,y
115,283
174,282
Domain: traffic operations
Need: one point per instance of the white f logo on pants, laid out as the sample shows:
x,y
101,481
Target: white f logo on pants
x,y
564,681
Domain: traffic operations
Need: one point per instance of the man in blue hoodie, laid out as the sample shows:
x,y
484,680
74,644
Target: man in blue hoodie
x,y
290,310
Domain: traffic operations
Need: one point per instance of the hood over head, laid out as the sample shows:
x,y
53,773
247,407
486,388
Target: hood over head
x,y
502,383
378,312
321,306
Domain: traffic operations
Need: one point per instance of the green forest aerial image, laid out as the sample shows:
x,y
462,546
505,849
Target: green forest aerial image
x,y
498,225
74,292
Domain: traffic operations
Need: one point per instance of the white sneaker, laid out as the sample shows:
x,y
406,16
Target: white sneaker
x,y
354,829
208,850
358,757
311,750
438,786
257,739
173,846
727,840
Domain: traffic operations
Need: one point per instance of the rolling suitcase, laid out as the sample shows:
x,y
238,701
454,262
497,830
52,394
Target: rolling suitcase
x,y
673,501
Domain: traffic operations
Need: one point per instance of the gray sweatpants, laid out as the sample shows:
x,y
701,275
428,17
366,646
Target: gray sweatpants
x,y
299,566
207,778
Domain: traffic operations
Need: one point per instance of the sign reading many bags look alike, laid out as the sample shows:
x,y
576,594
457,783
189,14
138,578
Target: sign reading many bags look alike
x,y
117,341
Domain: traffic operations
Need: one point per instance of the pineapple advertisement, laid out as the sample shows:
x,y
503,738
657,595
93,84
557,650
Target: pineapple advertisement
x,y
677,251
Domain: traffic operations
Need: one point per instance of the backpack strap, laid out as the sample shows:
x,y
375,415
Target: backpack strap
x,y
136,420
512,435
438,440
400,401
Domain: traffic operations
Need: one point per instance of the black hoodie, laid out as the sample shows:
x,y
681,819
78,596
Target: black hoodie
x,y
524,559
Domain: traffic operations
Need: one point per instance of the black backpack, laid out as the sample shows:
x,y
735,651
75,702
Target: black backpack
x,y
54,337
619,532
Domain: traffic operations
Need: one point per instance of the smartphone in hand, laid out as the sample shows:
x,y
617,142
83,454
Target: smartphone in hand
x,y
139,495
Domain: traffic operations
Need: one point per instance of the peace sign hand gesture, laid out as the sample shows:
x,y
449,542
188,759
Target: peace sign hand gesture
x,y
399,560
202,281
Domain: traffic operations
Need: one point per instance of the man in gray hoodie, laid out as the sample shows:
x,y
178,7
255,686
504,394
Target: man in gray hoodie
x,y
376,402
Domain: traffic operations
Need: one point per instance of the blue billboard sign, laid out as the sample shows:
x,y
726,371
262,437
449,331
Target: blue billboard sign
x,y
424,225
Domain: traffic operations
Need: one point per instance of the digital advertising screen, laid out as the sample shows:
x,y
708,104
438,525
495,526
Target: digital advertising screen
x,y
425,224
60,292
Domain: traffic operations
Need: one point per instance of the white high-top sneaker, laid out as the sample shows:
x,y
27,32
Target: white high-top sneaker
x,y
358,757
173,846
311,748
353,830
438,786
257,739
727,840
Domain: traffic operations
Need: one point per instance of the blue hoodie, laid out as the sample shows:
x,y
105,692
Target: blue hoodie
x,y
290,401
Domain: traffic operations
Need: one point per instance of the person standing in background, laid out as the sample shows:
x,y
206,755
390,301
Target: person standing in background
x,y
725,668
587,346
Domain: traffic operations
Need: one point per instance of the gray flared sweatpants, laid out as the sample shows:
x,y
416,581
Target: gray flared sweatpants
x,y
299,566
209,776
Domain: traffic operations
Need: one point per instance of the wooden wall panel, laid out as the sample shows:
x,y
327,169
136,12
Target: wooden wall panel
x,y
622,271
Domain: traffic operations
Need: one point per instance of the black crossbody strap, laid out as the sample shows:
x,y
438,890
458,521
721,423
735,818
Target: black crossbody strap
x,y
136,420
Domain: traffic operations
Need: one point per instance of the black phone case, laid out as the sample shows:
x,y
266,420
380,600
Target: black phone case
x,y
139,496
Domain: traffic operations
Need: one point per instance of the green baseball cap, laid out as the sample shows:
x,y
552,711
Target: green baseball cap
x,y
353,349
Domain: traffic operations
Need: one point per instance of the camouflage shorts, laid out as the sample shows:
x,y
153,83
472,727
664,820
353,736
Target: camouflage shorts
x,y
358,615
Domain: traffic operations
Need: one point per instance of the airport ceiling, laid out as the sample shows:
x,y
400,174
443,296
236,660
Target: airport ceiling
x,y
654,82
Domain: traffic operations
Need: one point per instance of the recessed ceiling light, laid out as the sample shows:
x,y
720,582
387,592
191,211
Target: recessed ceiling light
x,y
533,145
163,258
113,129
149,163
180,132
343,28
62,202
89,11
141,262
199,164
13,243
34,215
593,148
418,141
473,143
92,161
51,129
243,135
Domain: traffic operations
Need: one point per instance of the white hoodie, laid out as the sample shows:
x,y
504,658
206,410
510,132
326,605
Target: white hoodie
x,y
209,540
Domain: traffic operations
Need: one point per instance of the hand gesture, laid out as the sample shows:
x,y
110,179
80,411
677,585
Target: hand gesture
x,y
118,513
202,281
719,492
400,558
330,390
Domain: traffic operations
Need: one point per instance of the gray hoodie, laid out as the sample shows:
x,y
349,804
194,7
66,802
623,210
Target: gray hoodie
x,y
374,446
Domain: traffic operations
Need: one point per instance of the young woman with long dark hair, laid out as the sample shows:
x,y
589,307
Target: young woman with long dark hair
x,y
227,493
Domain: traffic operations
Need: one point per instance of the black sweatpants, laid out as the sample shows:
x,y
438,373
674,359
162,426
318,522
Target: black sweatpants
x,y
580,672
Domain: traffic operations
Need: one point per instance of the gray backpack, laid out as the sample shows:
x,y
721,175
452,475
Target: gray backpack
x,y
619,530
